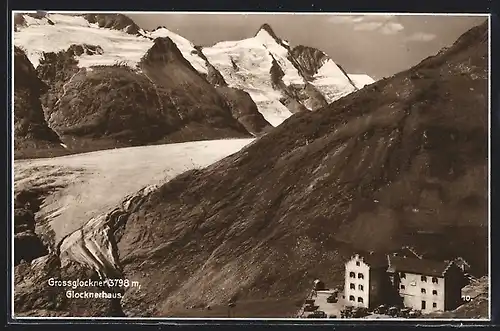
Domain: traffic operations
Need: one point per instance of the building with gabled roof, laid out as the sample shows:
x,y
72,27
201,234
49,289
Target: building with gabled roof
x,y
426,285
366,282
462,264
412,282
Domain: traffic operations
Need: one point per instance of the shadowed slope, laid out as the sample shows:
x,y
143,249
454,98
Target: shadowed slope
x,y
403,161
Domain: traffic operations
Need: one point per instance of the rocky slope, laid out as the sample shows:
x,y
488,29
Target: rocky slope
x,y
65,209
31,132
312,61
402,162
264,66
477,306
113,21
405,159
105,106
245,110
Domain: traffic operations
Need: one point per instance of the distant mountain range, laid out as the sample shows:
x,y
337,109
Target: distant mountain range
x,y
112,84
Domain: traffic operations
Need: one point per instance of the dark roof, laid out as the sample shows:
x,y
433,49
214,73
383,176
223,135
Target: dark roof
x,y
418,266
460,261
406,252
374,260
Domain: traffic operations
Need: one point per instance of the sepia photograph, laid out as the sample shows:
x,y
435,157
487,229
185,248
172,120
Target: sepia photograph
x,y
277,166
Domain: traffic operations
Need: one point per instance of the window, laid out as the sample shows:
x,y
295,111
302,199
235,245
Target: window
x,y
351,298
423,278
423,305
360,299
360,275
434,280
402,287
360,287
423,291
352,286
357,263
434,292
402,275
352,274
434,305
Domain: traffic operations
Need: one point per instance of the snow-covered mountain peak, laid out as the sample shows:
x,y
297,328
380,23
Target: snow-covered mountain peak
x,y
266,34
58,32
186,47
163,32
280,80
164,49
308,78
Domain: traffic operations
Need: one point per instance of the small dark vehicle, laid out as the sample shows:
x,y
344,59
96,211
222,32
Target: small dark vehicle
x,y
310,307
405,312
317,314
382,309
332,316
310,302
414,314
332,299
359,312
346,313
393,311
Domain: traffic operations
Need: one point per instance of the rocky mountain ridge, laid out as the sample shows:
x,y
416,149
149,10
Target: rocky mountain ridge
x,y
109,106
30,127
96,41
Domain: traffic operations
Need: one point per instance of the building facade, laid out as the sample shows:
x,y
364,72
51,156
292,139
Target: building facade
x,y
421,292
357,280
366,281
411,282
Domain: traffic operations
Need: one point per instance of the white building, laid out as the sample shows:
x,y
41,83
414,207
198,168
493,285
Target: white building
x,y
418,283
365,280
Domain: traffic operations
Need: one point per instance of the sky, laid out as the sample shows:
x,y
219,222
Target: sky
x,y
376,45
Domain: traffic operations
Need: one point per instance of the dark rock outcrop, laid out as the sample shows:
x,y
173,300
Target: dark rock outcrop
x,y
244,110
19,21
214,77
27,245
117,106
310,59
114,21
195,100
31,131
77,50
295,97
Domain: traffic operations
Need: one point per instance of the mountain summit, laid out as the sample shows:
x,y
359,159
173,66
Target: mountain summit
x,y
267,28
275,75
